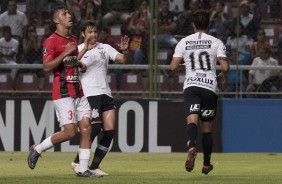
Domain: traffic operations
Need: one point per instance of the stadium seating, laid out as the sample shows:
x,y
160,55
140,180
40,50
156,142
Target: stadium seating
x,y
115,32
164,82
112,81
177,82
6,82
132,82
163,55
26,82
48,82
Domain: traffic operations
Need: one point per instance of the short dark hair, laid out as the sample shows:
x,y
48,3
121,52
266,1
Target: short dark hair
x,y
87,24
201,19
56,7
7,29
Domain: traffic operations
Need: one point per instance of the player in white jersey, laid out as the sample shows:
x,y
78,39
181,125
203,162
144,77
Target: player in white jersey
x,y
96,88
200,53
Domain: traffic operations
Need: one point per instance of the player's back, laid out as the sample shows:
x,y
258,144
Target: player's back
x,y
202,51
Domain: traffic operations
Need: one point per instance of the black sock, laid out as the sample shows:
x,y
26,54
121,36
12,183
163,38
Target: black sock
x,y
191,131
207,147
96,129
102,149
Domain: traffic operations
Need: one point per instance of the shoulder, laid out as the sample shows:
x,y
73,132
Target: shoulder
x,y
4,14
15,41
20,14
273,60
80,47
73,37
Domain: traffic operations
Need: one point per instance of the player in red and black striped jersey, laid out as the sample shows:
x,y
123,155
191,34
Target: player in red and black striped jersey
x,y
60,56
64,50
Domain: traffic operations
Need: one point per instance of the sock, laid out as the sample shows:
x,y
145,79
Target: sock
x,y
84,156
207,147
96,129
191,131
102,148
45,145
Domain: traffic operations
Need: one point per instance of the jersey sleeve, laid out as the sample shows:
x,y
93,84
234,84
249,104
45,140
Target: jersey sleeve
x,y
112,52
221,51
48,50
178,52
255,62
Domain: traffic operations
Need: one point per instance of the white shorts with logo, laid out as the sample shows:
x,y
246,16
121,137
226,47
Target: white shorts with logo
x,y
71,110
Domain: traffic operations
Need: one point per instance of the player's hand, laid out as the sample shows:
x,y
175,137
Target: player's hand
x,y
90,43
124,41
221,78
70,47
82,67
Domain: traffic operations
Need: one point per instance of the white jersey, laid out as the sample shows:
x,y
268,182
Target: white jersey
x,y
94,80
200,52
7,48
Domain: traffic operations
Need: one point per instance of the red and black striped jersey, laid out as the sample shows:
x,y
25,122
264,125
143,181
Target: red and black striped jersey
x,y
66,76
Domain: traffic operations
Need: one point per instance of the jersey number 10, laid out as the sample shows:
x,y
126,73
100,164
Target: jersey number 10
x,y
203,58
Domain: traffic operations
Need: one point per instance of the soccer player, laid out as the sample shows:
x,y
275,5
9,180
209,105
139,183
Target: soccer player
x,y
96,88
60,56
200,53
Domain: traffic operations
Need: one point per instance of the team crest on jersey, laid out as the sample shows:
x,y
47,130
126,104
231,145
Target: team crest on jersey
x,y
44,51
103,55
95,113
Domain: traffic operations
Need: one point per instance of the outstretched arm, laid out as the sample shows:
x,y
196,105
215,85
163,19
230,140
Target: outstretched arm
x,y
124,42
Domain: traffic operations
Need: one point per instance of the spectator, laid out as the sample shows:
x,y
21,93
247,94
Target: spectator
x,y
32,49
238,40
38,7
274,6
257,77
250,23
118,11
259,43
219,21
105,38
138,46
36,19
237,77
184,21
167,26
141,13
15,19
9,49
91,12
4,5
176,6
75,6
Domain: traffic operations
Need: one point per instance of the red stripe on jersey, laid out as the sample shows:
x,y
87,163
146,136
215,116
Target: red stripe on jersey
x,y
66,82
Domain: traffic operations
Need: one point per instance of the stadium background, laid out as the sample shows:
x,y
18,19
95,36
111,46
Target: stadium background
x,y
241,113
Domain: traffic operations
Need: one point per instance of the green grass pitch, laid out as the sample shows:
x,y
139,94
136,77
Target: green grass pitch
x,y
145,168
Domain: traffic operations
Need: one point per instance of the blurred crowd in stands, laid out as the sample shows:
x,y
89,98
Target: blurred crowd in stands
x,y
251,30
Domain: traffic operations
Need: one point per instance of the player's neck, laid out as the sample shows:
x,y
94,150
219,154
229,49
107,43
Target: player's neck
x,y
64,32
201,31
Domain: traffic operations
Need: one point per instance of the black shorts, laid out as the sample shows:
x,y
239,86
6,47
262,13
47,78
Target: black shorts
x,y
100,104
200,101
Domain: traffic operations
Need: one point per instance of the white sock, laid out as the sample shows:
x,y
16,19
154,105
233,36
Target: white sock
x,y
45,145
84,157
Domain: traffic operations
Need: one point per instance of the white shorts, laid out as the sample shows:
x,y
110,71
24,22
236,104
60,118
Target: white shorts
x,y
71,110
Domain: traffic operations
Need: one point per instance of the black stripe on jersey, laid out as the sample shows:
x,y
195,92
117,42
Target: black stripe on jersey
x,y
63,84
77,89
200,35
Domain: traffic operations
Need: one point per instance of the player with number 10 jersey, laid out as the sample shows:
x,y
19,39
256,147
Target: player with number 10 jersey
x,y
200,52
